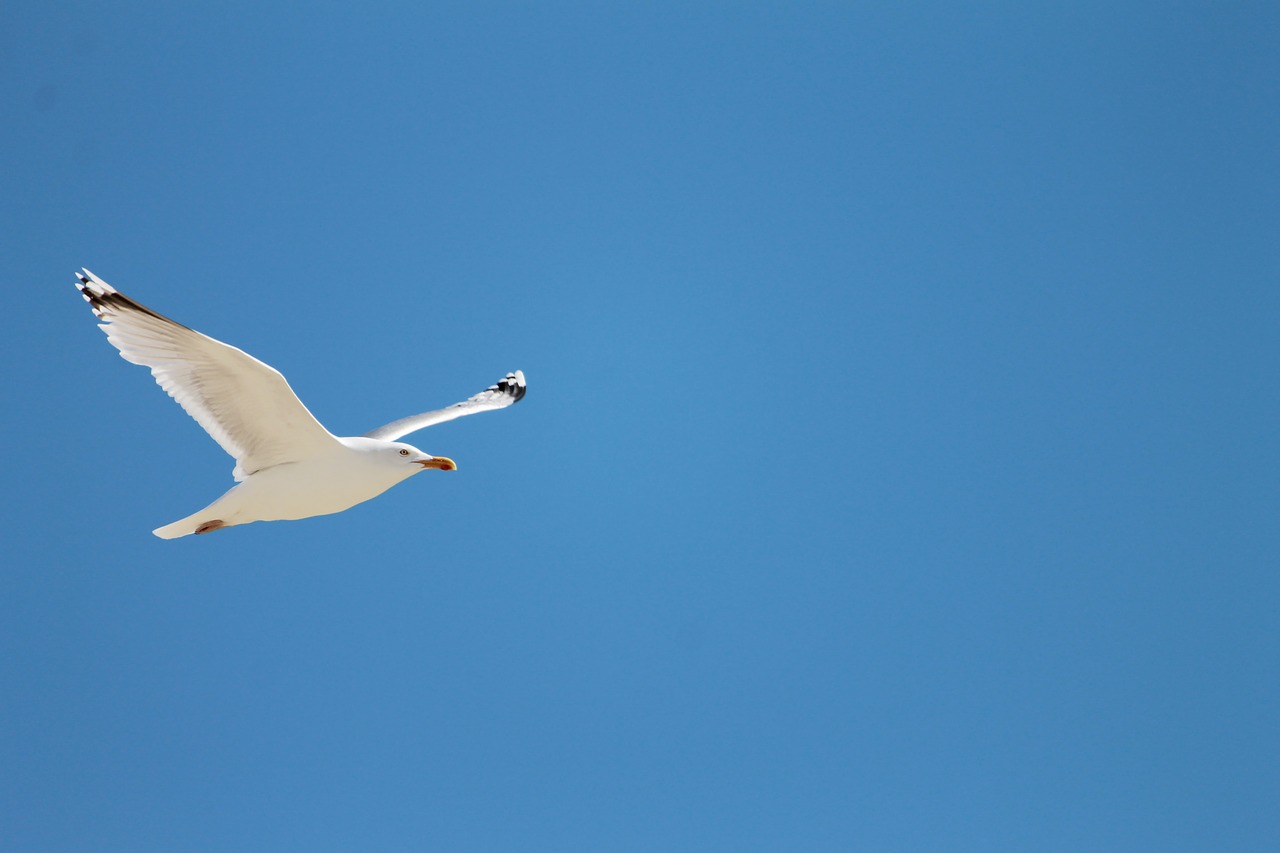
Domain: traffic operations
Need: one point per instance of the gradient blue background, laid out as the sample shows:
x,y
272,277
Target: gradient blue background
x,y
898,469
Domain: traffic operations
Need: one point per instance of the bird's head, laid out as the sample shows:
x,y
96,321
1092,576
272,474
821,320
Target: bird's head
x,y
408,454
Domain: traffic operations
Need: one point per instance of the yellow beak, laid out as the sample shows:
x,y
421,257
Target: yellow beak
x,y
444,463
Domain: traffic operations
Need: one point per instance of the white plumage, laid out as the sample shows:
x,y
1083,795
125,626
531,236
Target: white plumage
x,y
288,465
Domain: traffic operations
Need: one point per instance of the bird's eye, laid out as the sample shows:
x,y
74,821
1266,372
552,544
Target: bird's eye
x,y
404,453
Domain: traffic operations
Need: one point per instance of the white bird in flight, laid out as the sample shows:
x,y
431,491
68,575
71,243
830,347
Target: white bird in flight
x,y
288,466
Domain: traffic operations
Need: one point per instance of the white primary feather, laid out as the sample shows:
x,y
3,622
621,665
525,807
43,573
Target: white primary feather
x,y
244,404
507,391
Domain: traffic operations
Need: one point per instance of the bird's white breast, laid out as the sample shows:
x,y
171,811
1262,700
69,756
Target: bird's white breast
x,y
317,486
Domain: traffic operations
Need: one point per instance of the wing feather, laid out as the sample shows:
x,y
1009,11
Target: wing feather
x,y
507,391
244,404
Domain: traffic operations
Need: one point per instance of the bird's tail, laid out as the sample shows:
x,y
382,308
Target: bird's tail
x,y
182,527
191,524
207,520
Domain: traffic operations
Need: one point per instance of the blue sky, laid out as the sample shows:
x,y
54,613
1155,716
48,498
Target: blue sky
x,y
898,469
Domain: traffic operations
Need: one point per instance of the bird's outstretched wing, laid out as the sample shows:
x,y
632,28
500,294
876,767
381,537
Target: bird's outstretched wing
x,y
505,392
247,406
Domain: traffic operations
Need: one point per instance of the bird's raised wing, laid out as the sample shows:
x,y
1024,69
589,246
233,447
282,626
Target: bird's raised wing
x,y
247,406
505,392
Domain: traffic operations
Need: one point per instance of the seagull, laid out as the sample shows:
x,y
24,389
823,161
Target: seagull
x,y
288,466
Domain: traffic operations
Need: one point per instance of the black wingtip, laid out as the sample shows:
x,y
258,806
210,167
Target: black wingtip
x,y
97,295
104,299
513,385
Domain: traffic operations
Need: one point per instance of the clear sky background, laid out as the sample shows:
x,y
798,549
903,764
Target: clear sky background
x,y
898,468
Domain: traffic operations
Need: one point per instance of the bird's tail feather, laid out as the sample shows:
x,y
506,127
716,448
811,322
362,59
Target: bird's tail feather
x,y
182,527
207,520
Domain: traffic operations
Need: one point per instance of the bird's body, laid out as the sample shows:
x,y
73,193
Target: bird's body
x,y
287,464
339,478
